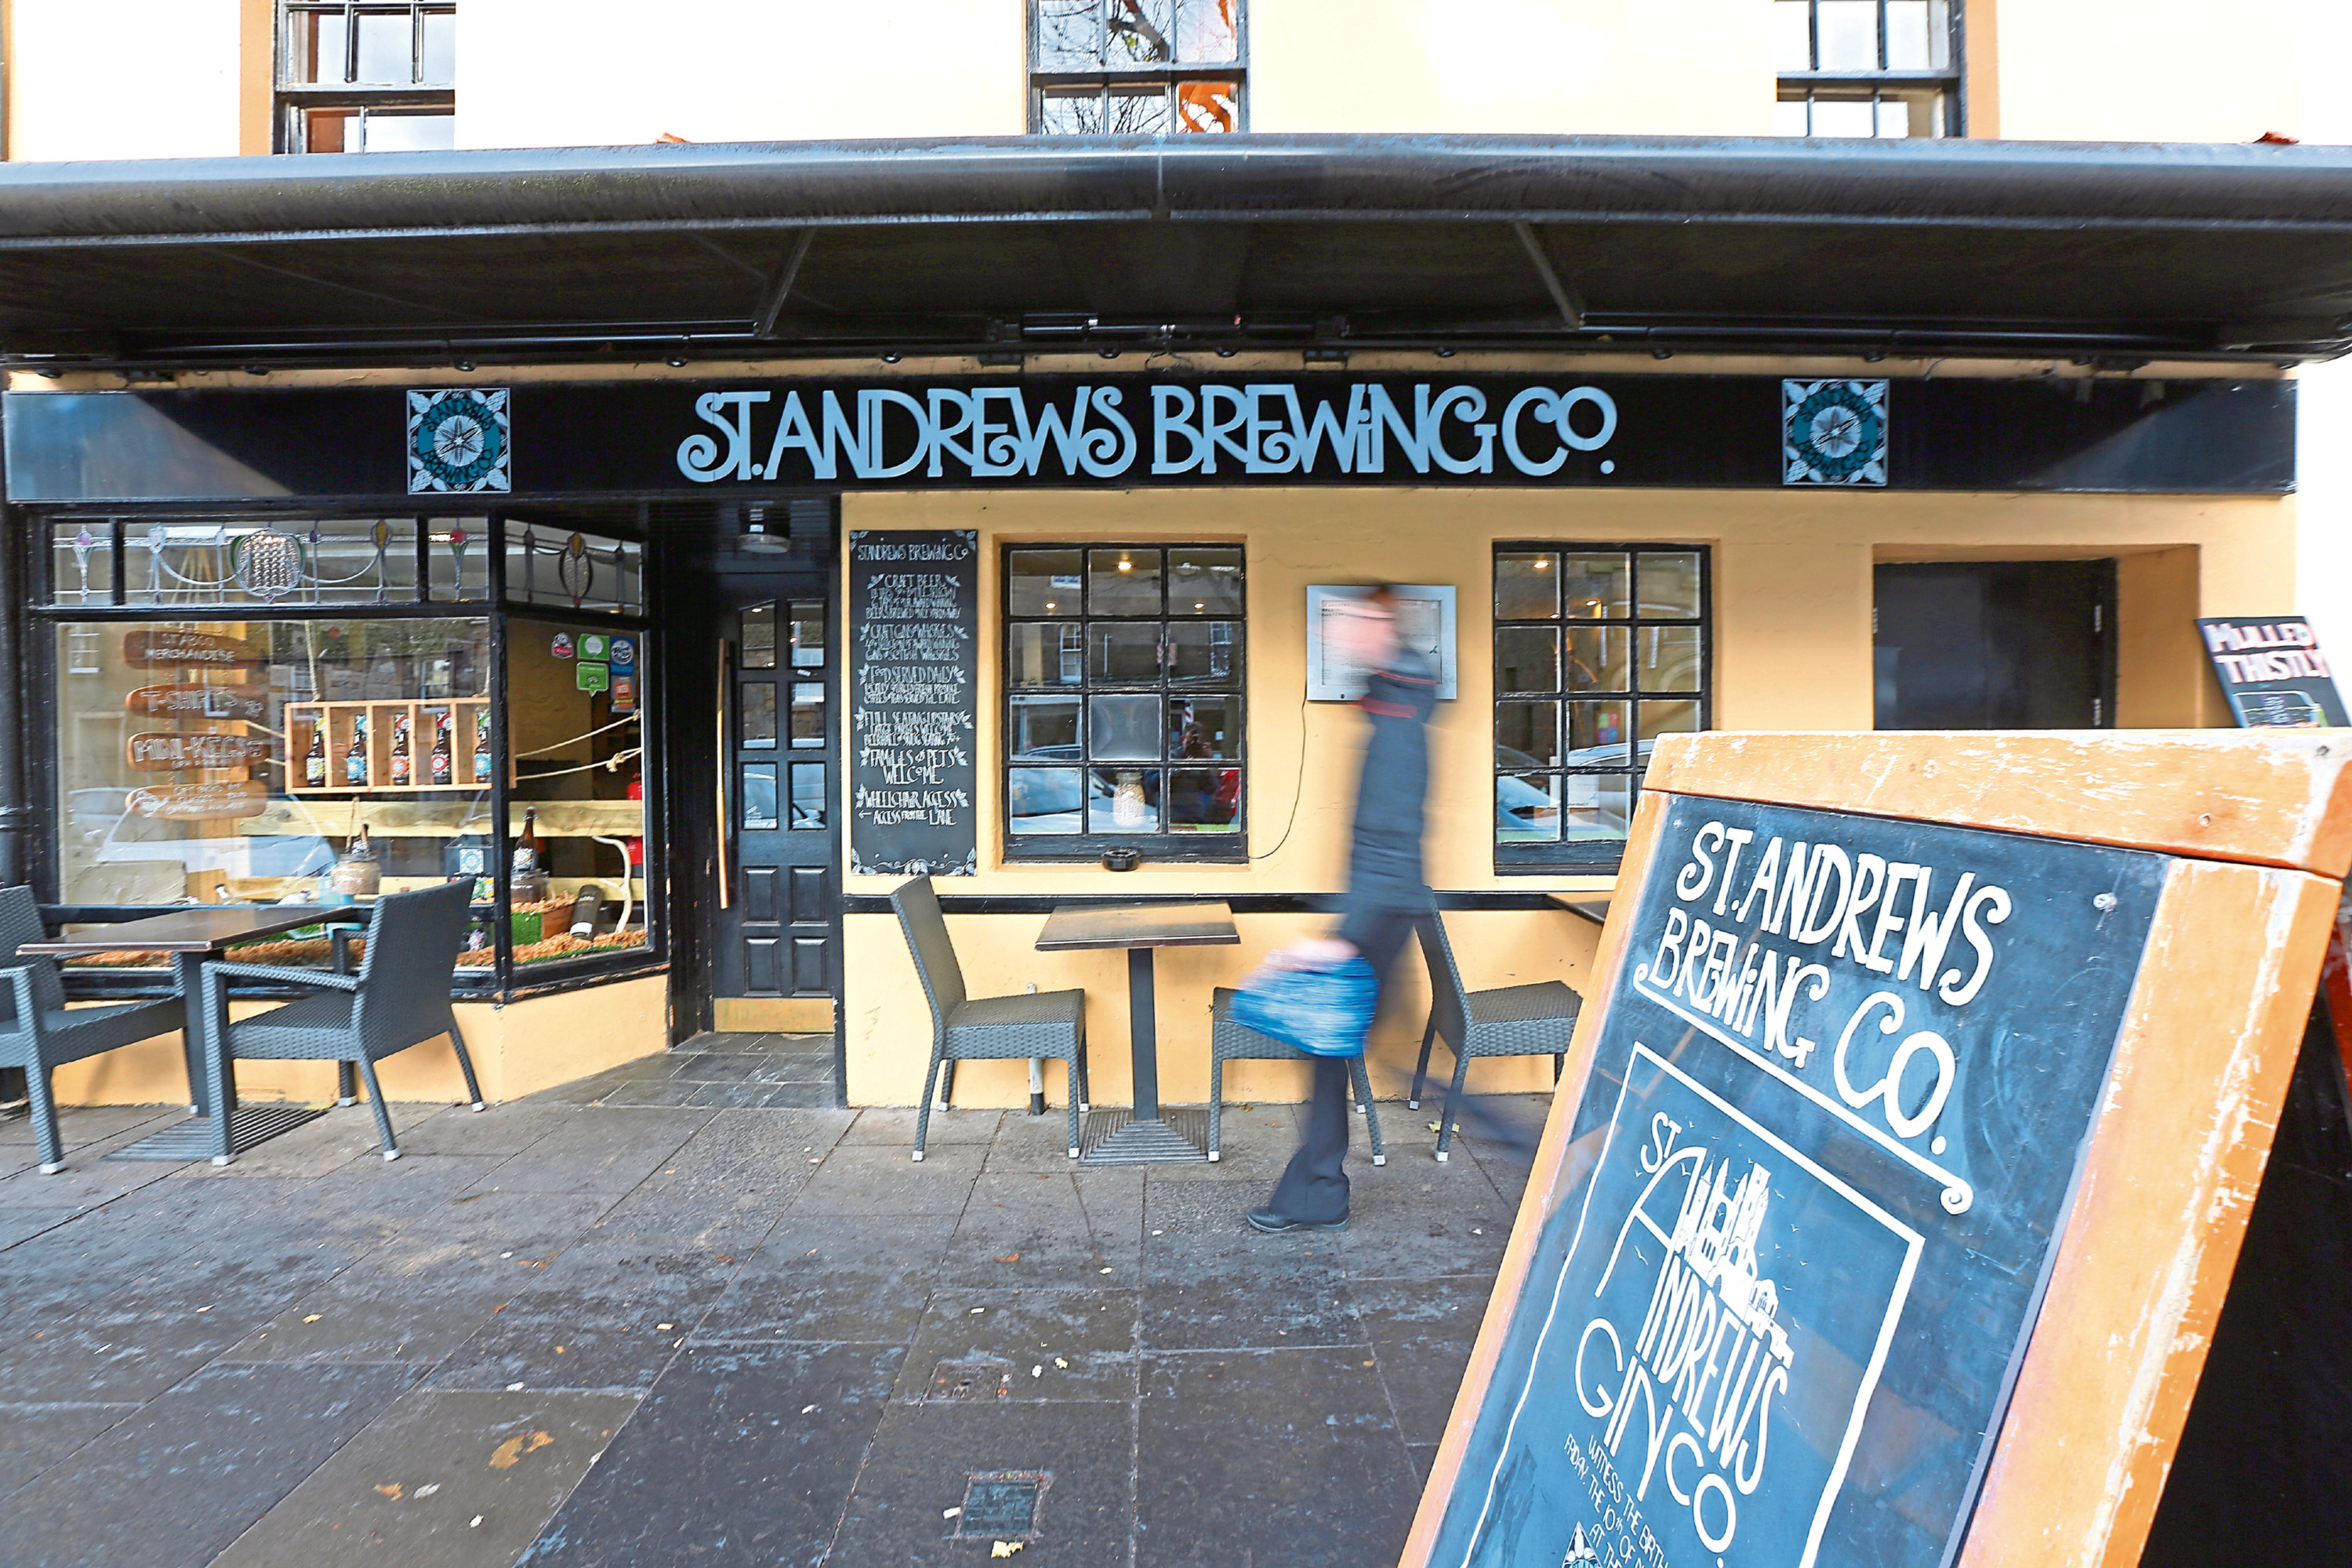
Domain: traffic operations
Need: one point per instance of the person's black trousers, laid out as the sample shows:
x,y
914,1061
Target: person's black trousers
x,y
1315,1187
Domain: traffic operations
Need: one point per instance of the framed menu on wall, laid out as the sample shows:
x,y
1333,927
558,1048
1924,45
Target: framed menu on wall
x,y
1890,1197
914,641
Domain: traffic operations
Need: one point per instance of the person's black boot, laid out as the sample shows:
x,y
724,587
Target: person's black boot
x,y
1275,1224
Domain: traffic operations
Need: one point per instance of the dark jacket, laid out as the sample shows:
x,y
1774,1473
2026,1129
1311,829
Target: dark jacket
x,y
1384,853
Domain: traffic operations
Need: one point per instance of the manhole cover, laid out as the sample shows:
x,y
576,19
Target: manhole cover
x,y
1003,1504
978,1377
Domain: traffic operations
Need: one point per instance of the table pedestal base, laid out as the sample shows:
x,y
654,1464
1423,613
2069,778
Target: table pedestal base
x,y
193,1138
1173,1137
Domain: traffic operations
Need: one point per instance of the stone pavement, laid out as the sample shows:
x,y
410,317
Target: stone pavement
x,y
685,1312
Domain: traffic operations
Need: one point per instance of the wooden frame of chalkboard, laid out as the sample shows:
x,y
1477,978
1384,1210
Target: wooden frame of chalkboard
x,y
1860,1236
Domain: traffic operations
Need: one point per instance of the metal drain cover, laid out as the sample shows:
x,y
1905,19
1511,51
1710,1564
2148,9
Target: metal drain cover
x,y
1003,1504
973,1378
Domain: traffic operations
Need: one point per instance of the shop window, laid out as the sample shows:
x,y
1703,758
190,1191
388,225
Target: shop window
x,y
1123,678
268,561
1599,650
243,746
1883,69
1136,67
223,760
367,76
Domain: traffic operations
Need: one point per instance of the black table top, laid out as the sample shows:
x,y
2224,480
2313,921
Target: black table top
x,y
1593,907
205,930
1137,925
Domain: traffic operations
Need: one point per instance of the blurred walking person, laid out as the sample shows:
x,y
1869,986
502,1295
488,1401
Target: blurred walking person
x,y
1387,891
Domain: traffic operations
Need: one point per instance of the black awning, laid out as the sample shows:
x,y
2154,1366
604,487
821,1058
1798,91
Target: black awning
x,y
1238,242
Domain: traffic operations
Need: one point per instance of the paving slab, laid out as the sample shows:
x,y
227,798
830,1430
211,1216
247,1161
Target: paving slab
x,y
922,1459
1211,1282
437,1480
609,1316
173,1485
1049,1228
1270,1457
1422,1332
894,1126
611,1152
883,1183
740,1456
35,1436
1055,1345
830,1277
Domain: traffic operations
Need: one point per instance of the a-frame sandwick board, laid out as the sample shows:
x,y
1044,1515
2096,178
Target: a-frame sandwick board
x,y
1890,1197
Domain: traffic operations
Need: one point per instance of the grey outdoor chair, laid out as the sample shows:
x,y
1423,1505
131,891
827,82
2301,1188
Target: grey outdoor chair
x,y
1232,1042
984,1028
1513,1021
399,999
39,1032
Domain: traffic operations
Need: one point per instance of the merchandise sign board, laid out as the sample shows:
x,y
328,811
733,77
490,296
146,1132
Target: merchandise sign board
x,y
1818,1173
914,677
2272,673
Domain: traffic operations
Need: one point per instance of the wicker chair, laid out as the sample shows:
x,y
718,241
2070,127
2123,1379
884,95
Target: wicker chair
x,y
1515,1021
984,1028
1232,1042
399,999
39,1032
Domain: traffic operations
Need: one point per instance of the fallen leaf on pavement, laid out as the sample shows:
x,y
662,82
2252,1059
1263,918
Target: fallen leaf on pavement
x,y
507,1454
1062,1363
1009,1257
1004,1548
392,1491
313,1317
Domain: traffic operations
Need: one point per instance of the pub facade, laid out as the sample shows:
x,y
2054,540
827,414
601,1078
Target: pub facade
x,y
987,538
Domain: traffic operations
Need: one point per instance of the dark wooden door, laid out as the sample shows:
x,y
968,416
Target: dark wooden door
x,y
777,926
753,740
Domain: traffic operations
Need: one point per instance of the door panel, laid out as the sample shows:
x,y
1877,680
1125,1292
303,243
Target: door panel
x,y
1995,644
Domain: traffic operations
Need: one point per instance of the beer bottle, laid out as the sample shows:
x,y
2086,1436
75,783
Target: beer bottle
x,y
482,746
526,855
403,770
314,760
441,747
355,759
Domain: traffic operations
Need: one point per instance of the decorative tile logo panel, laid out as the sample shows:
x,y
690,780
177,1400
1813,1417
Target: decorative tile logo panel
x,y
458,440
1833,432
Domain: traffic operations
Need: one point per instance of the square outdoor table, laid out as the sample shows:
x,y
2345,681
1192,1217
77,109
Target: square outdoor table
x,y
1146,1138
192,936
1593,907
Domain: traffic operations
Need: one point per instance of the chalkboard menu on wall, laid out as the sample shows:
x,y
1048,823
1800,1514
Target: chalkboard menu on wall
x,y
1831,1134
914,629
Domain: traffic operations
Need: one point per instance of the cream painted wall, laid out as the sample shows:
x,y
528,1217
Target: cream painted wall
x,y
2147,70
129,78
539,73
1684,67
1793,651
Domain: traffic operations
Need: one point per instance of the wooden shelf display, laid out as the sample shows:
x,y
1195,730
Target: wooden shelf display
x,y
447,818
340,720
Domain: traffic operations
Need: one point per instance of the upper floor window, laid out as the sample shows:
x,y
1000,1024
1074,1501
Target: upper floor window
x,y
1867,67
1135,68
367,76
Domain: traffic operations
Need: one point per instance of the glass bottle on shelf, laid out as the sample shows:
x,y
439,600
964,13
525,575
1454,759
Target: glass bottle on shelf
x,y
482,746
440,765
530,870
357,874
355,759
314,760
403,769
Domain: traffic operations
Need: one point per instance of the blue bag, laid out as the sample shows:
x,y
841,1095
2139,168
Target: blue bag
x,y
1323,1012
